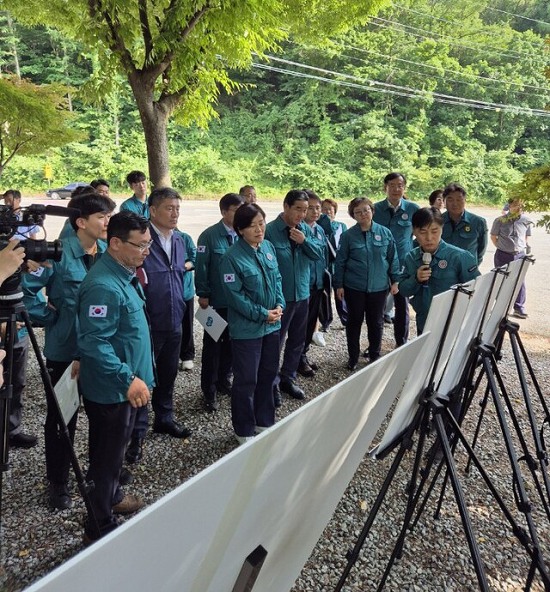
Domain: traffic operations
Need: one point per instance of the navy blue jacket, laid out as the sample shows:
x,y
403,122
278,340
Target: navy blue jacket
x,y
163,284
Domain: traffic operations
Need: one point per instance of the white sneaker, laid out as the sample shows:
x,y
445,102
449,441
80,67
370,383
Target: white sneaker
x,y
318,339
260,429
243,439
187,365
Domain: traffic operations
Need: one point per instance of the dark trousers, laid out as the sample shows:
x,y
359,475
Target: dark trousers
x,y
58,457
109,432
187,350
503,258
18,381
166,345
216,360
401,319
313,308
368,306
255,365
293,327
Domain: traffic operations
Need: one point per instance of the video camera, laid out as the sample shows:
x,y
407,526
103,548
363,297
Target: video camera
x,y
22,222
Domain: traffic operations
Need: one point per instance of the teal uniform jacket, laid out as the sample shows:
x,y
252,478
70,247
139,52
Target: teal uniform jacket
x,y
132,204
252,285
191,254
294,261
113,334
67,230
318,267
399,224
212,245
62,282
450,265
366,261
470,234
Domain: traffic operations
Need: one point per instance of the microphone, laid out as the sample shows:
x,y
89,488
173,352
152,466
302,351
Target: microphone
x,y
61,211
426,260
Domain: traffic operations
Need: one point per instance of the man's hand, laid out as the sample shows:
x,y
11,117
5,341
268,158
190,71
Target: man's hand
x,y
35,266
11,259
75,370
204,302
423,274
297,236
138,393
394,288
340,293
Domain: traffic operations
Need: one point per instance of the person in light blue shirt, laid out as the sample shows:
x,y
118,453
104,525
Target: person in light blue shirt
x,y
138,202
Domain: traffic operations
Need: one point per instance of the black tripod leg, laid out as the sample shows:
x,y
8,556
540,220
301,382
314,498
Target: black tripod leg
x,y
483,405
461,503
83,486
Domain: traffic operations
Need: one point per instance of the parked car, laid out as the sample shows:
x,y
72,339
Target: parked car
x,y
64,192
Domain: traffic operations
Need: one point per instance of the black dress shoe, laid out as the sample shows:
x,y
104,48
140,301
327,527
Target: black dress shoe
x,y
224,388
59,497
305,370
277,399
22,440
172,428
134,452
352,365
291,389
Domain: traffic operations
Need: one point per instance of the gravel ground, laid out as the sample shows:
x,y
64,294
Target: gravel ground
x,y
435,558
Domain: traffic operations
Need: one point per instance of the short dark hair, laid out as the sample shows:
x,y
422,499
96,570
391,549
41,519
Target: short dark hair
x,y
311,194
426,216
293,196
98,182
230,199
121,224
82,189
88,204
395,175
357,201
158,195
452,187
332,202
434,195
244,216
135,177
15,192
245,187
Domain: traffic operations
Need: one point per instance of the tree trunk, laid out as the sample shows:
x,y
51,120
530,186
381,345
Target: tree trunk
x,y
154,119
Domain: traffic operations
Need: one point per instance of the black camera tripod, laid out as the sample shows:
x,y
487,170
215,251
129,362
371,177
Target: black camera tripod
x,y
12,310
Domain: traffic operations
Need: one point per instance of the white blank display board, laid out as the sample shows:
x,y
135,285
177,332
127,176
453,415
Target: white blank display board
x,y
279,491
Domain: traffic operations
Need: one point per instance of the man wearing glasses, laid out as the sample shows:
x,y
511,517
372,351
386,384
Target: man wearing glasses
x,y
162,279
116,365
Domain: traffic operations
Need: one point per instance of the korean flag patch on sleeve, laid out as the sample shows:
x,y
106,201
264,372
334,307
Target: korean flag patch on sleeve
x,y
229,278
201,249
98,311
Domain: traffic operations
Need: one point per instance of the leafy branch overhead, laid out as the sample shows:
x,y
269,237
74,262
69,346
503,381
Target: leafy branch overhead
x,y
32,119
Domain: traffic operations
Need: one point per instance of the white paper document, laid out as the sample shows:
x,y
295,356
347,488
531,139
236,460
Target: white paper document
x,y
212,322
66,393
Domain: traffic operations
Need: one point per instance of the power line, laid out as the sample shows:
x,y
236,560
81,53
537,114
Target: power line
x,y
476,47
429,66
526,18
388,91
417,92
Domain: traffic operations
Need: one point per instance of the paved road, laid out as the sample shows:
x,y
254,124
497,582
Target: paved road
x,y
197,215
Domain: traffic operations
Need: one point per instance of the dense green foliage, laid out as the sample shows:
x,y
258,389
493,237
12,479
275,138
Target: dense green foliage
x,y
340,135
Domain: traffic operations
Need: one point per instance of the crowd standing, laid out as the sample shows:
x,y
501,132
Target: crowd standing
x,y
118,308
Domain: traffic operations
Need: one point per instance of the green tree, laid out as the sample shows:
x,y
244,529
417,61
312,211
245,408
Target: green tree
x,y
32,119
176,54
